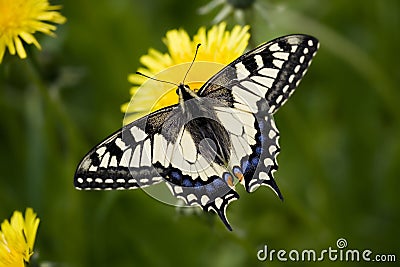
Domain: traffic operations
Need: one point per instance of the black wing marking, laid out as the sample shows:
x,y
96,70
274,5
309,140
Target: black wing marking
x,y
271,71
123,160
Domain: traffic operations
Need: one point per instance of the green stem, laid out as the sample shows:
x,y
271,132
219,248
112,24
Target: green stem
x,y
34,136
44,113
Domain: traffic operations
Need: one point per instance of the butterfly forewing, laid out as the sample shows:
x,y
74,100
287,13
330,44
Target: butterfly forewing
x,y
124,159
271,71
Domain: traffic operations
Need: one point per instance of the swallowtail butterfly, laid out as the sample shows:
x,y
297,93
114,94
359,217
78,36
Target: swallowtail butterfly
x,y
212,138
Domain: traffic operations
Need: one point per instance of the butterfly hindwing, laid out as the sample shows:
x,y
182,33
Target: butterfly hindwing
x,y
194,163
215,195
254,146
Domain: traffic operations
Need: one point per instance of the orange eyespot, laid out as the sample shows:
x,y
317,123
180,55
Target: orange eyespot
x,y
229,180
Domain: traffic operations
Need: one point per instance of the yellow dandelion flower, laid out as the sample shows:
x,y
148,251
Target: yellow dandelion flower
x,y
17,238
218,48
20,19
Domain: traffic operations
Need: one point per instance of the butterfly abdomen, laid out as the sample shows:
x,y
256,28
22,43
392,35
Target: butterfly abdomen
x,y
211,139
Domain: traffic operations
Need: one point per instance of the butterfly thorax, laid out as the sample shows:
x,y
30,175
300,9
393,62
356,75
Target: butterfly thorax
x,y
185,93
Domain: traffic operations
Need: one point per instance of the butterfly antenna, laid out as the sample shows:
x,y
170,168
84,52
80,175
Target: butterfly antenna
x,y
154,79
191,64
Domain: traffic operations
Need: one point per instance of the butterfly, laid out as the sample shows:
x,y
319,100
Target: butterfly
x,y
214,138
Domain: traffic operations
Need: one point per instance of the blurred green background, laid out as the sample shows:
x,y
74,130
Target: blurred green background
x,y
339,164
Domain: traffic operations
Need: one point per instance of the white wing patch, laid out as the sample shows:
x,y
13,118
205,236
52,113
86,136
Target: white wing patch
x,y
242,72
187,148
136,157
240,126
184,155
145,159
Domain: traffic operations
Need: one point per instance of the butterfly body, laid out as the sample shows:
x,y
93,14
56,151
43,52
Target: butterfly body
x,y
222,134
